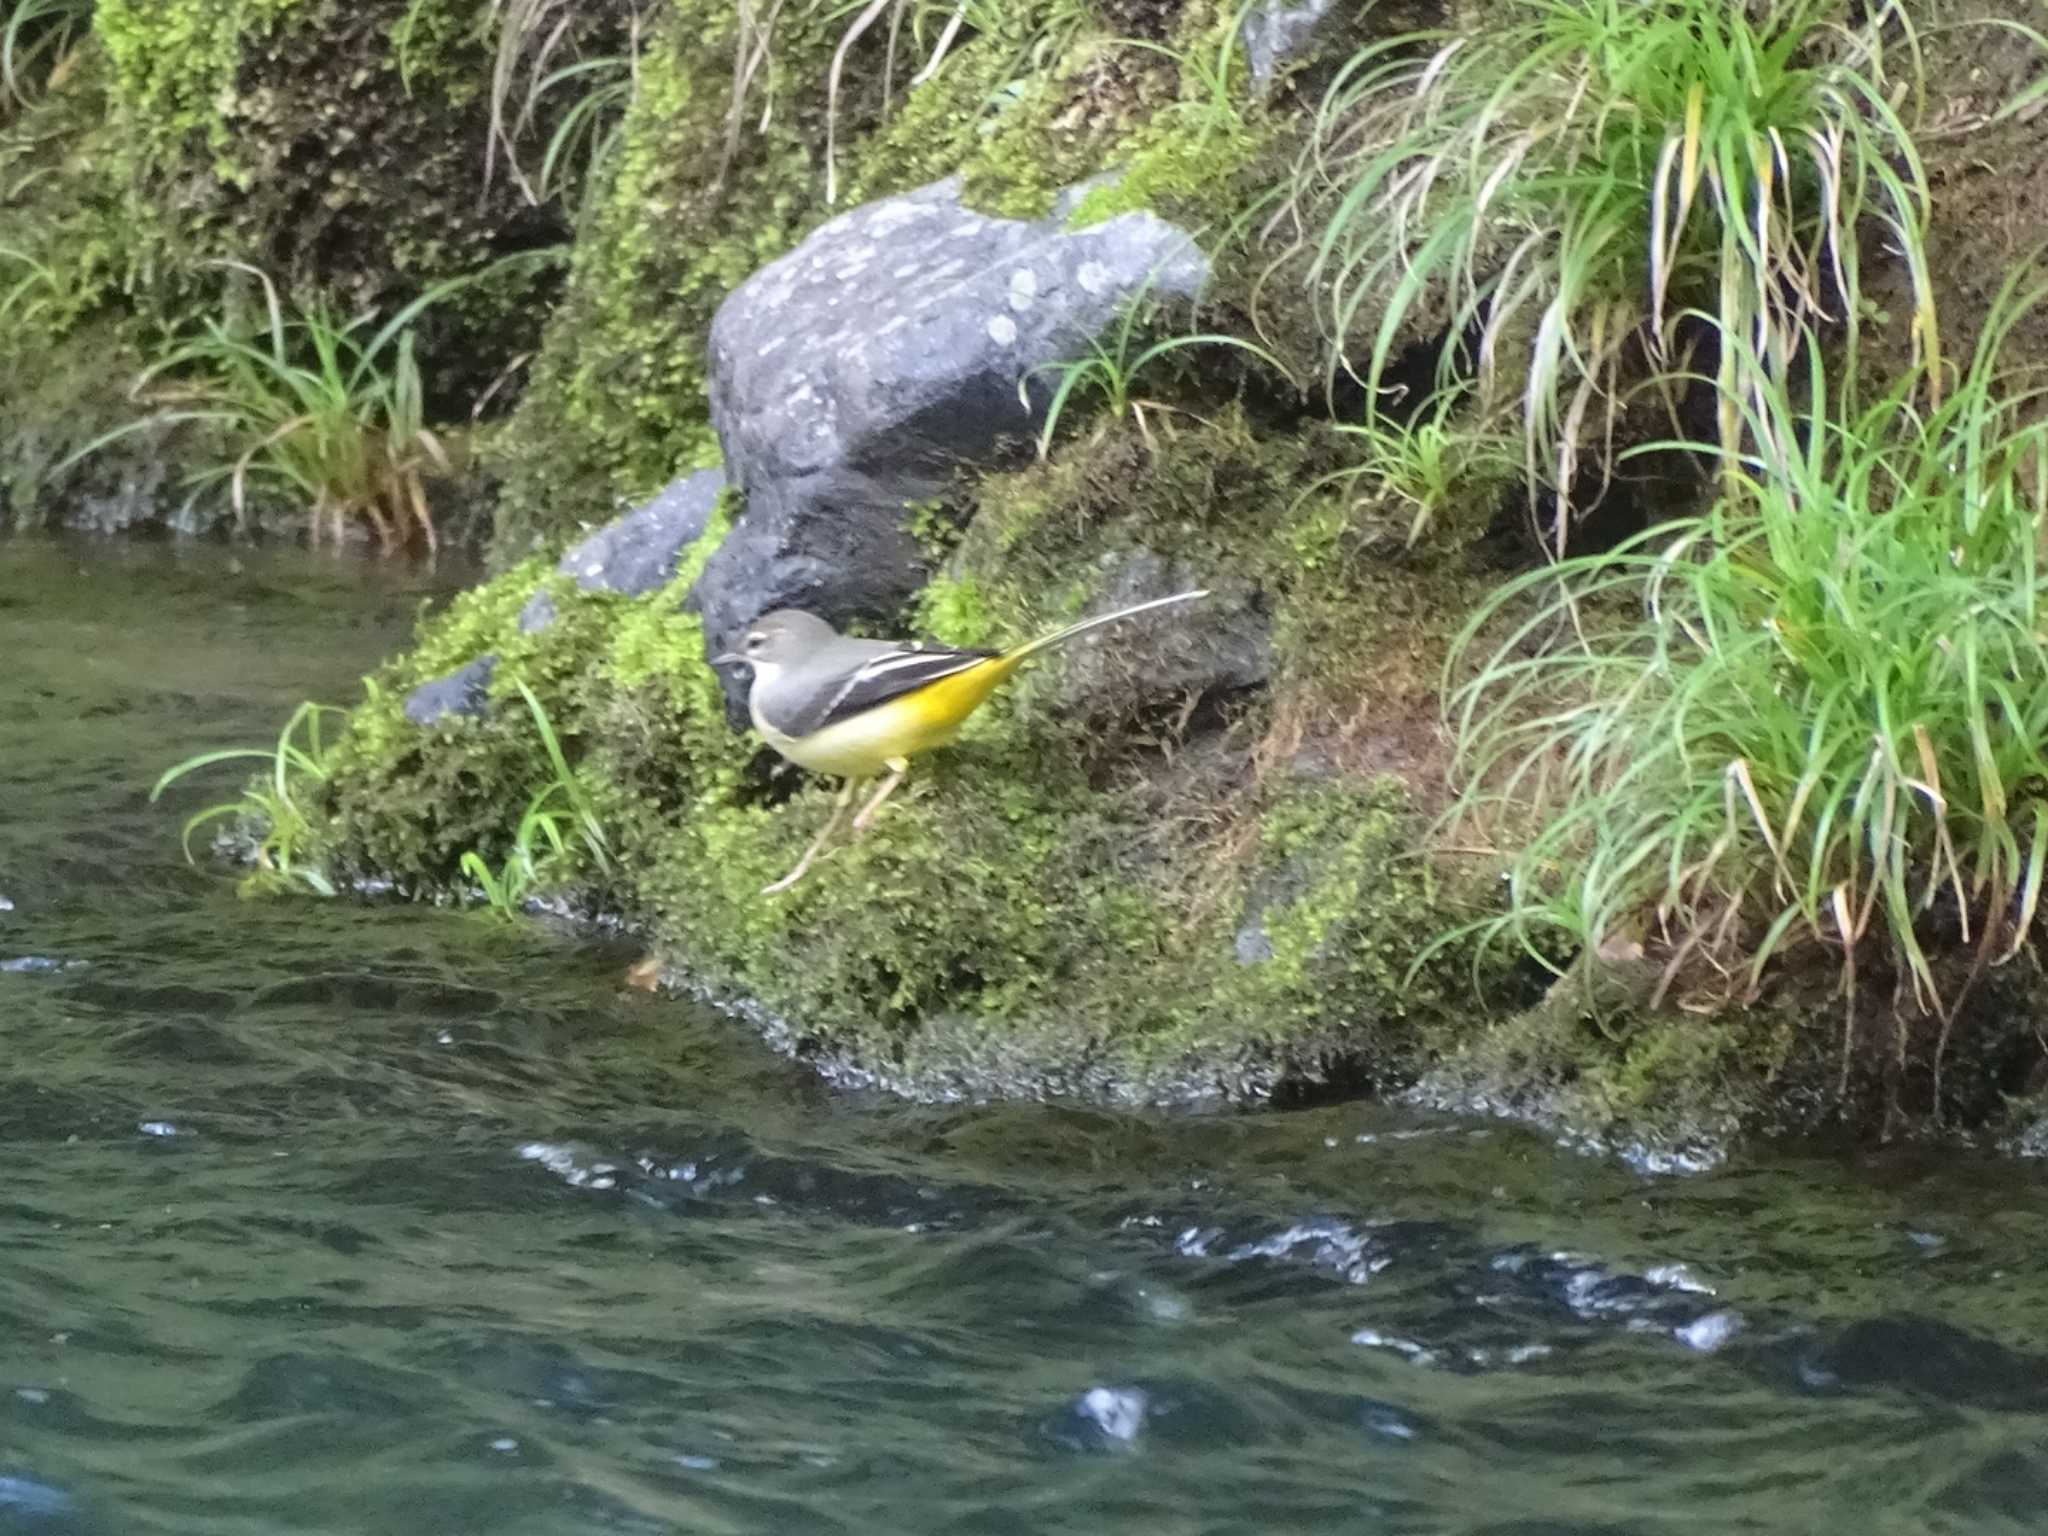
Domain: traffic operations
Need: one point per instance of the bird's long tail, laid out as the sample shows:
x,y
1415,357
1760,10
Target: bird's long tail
x,y
1061,636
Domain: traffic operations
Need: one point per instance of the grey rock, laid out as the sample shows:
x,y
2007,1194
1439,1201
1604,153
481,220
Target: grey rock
x,y
634,555
1277,32
1220,644
637,553
855,378
464,693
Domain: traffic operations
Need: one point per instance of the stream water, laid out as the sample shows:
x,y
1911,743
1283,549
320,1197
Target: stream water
x,y
328,1217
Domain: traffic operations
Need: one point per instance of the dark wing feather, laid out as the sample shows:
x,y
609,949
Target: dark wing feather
x,y
904,669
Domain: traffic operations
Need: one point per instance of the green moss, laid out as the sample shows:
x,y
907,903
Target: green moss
x,y
1060,900
623,682
955,611
174,65
192,135
1188,159
1607,1065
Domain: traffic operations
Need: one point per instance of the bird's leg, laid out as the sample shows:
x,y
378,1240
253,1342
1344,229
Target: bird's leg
x,y
839,805
898,766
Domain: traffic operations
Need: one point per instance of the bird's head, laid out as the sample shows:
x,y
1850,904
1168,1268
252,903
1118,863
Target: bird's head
x,y
777,641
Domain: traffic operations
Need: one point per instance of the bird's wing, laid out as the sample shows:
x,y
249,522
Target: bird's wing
x,y
893,672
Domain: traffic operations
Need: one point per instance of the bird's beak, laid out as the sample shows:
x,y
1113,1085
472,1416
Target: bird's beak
x,y
726,658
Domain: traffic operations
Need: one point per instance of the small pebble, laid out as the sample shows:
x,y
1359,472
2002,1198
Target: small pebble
x,y
157,1128
34,1396
506,1444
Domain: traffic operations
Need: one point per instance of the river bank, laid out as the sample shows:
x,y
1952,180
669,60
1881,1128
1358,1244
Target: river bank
x,y
963,328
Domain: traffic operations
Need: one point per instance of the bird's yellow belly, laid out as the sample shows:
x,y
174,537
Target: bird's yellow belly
x,y
862,747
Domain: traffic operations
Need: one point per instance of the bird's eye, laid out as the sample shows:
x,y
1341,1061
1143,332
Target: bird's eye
x,y
755,642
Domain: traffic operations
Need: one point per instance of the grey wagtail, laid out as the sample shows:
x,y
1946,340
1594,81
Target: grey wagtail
x,y
837,705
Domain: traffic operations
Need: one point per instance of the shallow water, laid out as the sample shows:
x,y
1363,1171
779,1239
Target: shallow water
x,y
320,1217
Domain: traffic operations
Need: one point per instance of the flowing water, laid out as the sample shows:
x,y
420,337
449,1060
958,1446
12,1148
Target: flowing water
x,y
325,1217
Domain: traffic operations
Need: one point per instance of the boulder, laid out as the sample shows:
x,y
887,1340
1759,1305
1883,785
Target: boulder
x,y
632,555
854,378
638,553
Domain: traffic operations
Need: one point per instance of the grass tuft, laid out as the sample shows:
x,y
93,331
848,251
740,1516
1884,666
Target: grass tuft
x,y
535,65
541,842
324,408
1586,193
1813,718
281,801
1110,372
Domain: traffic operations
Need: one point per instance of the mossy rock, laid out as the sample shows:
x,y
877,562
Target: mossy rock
x,y
616,405
340,148
1059,903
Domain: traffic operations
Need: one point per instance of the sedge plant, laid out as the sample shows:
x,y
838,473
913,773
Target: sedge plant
x,y
1583,191
1213,90
325,408
1422,467
1813,718
920,33
29,286
1110,373
537,68
558,820
280,801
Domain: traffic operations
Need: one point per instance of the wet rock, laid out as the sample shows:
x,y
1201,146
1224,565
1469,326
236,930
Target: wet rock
x,y
1277,32
857,376
1222,644
1930,1358
463,693
638,553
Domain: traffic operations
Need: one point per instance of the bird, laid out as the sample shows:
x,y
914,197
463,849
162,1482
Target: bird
x,y
861,709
